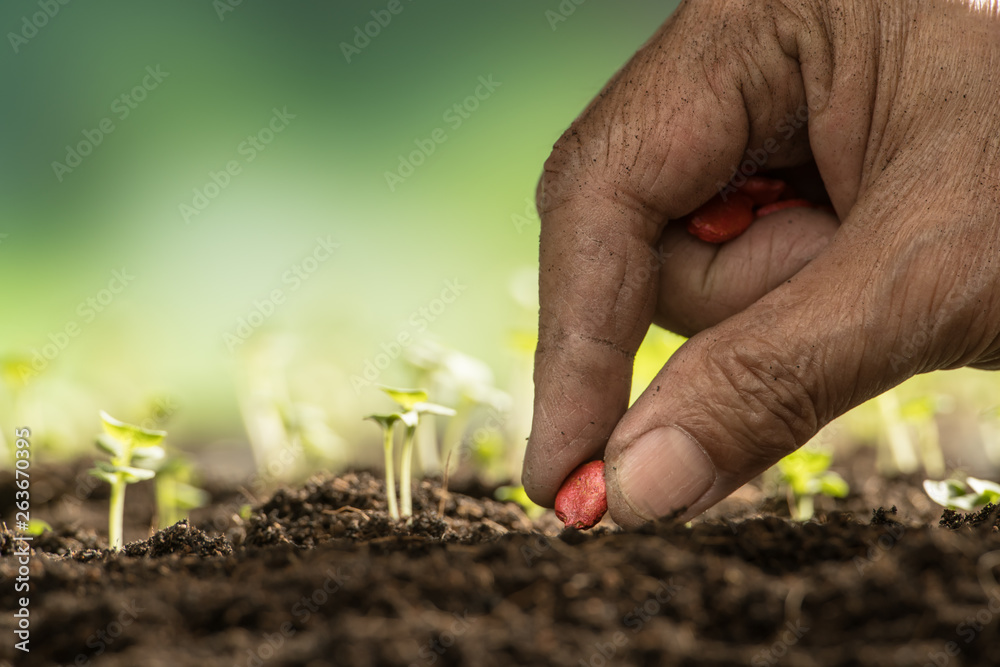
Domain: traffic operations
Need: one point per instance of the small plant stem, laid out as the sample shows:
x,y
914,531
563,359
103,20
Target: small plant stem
x,y
116,512
804,508
405,497
903,455
444,486
454,433
390,475
930,450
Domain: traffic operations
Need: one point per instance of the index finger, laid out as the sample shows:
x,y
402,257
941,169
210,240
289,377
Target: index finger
x,y
654,145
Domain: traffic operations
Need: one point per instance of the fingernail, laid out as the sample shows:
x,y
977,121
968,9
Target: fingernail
x,y
663,471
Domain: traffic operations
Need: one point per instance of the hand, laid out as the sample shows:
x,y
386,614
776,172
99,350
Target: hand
x,y
894,104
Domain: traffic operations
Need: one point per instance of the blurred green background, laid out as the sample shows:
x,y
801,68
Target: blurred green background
x,y
210,152
224,69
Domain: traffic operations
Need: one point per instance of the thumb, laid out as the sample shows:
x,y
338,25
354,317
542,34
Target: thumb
x,y
741,395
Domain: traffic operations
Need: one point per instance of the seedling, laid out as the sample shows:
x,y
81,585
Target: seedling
x,y
469,385
388,423
175,495
414,403
36,527
955,495
911,435
806,474
517,494
133,450
582,500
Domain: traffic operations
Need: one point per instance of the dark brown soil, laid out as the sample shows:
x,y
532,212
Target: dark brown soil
x,y
318,575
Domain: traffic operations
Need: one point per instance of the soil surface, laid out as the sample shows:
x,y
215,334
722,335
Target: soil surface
x,y
318,575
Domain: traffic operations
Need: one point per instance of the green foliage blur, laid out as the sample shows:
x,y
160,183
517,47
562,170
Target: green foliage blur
x,y
122,117
263,211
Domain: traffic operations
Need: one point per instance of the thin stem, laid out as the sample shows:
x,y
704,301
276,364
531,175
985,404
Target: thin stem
x,y
904,457
115,513
116,505
805,508
390,475
405,498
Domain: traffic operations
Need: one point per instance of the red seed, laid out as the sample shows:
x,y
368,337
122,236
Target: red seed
x,y
582,499
764,190
782,205
721,220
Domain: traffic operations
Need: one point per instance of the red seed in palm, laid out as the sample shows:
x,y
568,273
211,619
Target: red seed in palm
x,y
582,499
782,205
721,219
764,190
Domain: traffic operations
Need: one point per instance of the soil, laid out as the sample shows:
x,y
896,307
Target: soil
x,y
318,575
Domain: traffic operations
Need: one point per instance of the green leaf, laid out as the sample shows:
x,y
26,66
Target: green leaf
x,y
130,433
36,527
385,421
985,488
103,475
150,454
407,398
943,491
132,475
968,502
919,409
410,418
109,445
425,408
951,494
517,494
189,497
833,485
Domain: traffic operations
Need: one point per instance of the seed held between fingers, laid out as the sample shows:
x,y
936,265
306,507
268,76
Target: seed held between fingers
x,y
582,500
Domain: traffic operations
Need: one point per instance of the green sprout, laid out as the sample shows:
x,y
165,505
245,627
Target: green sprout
x,y
414,404
36,527
806,474
517,494
176,496
955,495
133,450
388,422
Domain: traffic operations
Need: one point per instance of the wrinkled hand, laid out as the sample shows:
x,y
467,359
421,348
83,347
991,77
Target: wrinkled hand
x,y
807,314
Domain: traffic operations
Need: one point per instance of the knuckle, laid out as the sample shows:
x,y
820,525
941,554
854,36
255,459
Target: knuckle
x,y
570,168
767,407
